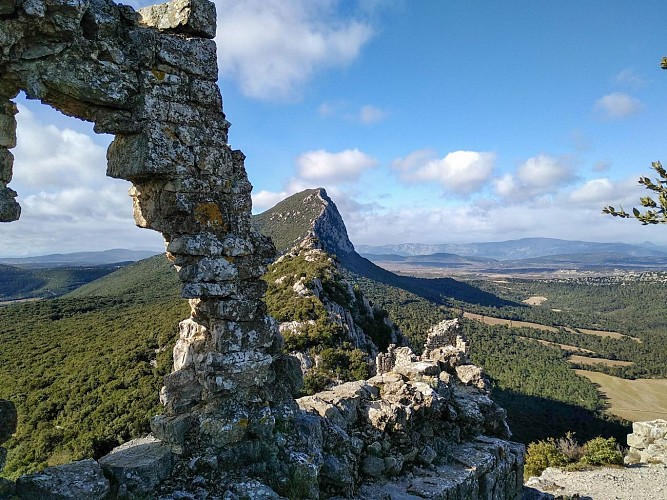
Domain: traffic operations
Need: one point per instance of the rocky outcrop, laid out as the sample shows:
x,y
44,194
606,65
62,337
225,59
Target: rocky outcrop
x,y
307,283
309,214
82,480
421,419
648,443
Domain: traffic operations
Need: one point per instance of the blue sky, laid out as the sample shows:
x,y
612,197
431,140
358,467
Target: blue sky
x,y
427,121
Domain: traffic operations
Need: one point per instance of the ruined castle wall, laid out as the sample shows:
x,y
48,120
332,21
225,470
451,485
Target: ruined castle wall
x,y
149,78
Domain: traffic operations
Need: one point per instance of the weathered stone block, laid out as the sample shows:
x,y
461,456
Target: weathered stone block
x,y
8,125
82,480
10,210
172,430
140,464
194,17
195,56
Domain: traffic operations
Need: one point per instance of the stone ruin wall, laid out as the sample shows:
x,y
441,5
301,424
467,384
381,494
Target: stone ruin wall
x,y
149,78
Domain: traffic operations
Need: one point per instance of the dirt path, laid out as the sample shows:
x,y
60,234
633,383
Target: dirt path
x,y
640,482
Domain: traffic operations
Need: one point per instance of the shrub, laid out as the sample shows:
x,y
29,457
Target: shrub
x,y
601,451
543,454
570,447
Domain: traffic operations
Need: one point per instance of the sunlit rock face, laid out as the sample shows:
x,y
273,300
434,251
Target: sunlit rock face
x,y
149,78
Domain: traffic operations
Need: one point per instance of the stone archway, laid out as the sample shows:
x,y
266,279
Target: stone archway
x,y
149,78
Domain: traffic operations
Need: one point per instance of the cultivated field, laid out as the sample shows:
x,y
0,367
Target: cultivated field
x,y
564,347
634,400
535,301
613,335
584,360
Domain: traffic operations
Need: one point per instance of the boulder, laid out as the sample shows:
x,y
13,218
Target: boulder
x,y
138,465
648,442
81,480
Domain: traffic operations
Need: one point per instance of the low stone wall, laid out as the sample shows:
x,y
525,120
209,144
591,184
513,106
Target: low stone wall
x,y
648,442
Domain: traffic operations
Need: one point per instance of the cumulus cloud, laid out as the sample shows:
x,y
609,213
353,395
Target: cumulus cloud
x,y
263,200
48,157
271,48
617,106
460,171
539,175
323,166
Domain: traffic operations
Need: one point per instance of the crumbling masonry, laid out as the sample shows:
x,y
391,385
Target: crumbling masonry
x,y
149,78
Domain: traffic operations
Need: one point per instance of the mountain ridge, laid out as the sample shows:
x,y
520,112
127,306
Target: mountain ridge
x,y
515,249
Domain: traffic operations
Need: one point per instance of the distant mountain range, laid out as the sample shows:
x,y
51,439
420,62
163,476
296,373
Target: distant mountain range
x,y
79,258
525,248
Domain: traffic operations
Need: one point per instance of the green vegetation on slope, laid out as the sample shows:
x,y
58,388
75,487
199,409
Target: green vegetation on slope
x,y
617,303
83,373
316,333
20,283
289,221
146,280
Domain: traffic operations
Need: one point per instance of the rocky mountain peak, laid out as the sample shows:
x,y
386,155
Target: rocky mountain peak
x,y
308,215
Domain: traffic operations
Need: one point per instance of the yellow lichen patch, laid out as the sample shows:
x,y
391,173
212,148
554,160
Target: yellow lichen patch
x,y
209,215
159,75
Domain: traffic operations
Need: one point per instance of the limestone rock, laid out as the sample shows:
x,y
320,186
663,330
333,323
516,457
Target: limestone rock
x,y
138,465
195,17
648,442
77,481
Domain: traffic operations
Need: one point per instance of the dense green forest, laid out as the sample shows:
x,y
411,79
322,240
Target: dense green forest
x,y
84,374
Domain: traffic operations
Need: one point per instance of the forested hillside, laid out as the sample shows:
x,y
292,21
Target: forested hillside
x,y
613,303
21,283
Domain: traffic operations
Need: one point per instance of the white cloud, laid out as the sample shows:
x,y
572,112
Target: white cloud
x,y
68,203
370,114
323,166
616,106
460,171
539,175
271,47
263,200
48,157
596,191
